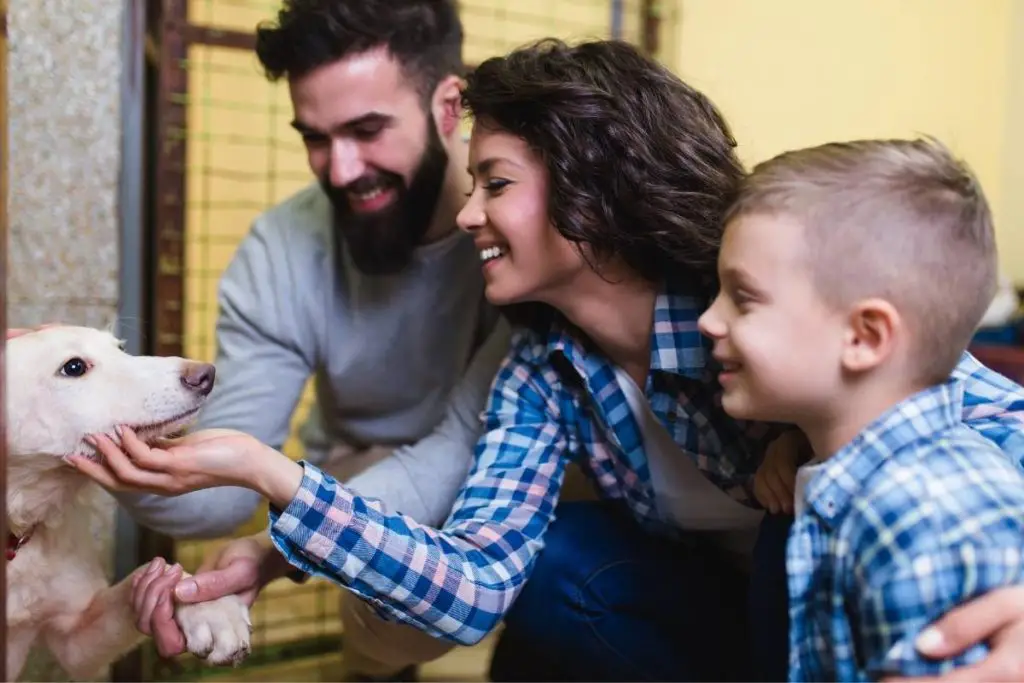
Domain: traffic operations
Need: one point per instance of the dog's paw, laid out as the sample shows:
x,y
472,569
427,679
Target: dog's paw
x,y
217,631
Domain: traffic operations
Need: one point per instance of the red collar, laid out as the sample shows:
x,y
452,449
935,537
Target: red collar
x,y
14,543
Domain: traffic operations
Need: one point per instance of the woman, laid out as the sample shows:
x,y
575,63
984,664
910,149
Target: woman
x,y
599,180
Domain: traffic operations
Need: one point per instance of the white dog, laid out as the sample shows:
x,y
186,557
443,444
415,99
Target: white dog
x,y
63,383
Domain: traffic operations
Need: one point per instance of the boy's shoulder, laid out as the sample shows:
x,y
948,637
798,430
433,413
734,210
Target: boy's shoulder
x,y
947,489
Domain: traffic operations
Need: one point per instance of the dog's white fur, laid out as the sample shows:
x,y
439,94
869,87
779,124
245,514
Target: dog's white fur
x,y
57,590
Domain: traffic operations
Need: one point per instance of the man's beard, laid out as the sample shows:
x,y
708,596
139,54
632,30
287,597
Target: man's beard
x,y
383,242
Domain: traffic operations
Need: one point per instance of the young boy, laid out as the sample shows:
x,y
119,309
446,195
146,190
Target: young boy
x,y
852,278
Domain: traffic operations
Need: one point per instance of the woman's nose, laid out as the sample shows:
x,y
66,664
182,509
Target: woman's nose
x,y
472,216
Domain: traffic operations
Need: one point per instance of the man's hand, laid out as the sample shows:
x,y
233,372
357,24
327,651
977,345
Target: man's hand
x,y
241,567
996,617
775,479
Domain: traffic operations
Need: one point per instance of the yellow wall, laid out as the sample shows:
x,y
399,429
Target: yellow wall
x,y
1011,213
790,73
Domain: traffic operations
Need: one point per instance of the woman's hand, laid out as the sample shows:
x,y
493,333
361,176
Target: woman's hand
x,y
775,479
996,618
200,460
203,459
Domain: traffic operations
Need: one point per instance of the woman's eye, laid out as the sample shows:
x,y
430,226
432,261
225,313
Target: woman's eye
x,y
496,185
76,367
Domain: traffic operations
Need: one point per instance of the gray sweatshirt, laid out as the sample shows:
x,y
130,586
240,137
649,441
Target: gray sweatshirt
x,y
403,360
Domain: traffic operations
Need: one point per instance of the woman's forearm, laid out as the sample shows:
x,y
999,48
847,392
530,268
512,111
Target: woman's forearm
x,y
275,476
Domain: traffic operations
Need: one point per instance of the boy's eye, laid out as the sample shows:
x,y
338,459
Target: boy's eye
x,y
742,298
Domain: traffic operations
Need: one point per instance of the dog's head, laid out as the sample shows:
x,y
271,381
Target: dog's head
x,y
63,383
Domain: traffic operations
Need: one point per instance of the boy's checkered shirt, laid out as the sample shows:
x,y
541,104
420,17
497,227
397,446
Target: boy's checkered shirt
x,y
553,400
918,514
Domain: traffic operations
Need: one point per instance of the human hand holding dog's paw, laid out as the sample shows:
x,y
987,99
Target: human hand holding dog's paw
x,y
217,629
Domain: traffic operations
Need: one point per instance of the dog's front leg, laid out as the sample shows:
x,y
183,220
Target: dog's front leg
x,y
87,641
19,642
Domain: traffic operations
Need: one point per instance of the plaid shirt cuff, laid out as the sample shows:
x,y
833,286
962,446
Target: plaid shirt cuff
x,y
308,531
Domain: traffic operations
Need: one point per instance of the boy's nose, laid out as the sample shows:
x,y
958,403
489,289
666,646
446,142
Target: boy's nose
x,y
710,325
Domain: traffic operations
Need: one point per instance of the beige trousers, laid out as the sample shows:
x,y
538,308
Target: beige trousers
x,y
373,646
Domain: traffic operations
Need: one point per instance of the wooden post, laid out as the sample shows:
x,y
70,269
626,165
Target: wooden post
x,y
4,144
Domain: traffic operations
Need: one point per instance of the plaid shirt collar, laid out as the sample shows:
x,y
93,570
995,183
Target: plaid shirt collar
x,y
921,416
677,346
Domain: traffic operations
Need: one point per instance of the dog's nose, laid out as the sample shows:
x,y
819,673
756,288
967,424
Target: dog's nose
x,y
199,377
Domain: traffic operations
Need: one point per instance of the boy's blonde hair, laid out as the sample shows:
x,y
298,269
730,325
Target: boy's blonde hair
x,y
898,219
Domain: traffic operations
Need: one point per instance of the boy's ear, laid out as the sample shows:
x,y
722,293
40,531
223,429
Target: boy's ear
x,y
872,329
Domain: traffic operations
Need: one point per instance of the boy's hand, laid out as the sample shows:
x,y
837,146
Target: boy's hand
x,y
775,479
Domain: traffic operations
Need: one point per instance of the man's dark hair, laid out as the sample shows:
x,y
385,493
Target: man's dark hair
x,y
641,165
424,36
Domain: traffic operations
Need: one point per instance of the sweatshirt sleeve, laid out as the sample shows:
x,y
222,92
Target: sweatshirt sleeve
x,y
264,357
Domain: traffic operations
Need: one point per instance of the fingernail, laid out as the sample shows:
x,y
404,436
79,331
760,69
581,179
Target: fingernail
x,y
186,589
930,640
154,566
91,440
119,430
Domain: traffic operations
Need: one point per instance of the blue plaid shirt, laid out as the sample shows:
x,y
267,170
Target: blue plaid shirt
x,y
916,515
552,401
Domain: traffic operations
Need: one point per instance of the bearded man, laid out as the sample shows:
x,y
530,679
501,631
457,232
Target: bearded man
x,y
363,282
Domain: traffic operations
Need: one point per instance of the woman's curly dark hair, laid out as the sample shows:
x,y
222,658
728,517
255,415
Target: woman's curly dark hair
x,y
641,165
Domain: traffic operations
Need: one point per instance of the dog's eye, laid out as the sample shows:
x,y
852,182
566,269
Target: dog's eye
x,y
76,367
